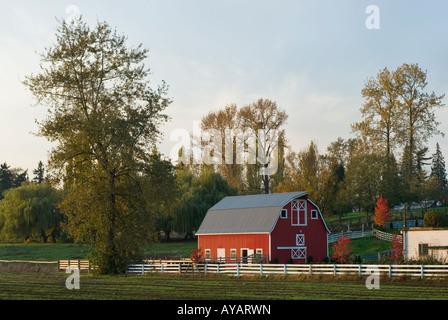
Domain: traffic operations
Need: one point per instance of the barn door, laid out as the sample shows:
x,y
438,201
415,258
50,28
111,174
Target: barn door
x,y
244,254
221,253
298,253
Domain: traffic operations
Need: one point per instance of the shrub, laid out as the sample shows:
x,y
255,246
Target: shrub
x,y
435,219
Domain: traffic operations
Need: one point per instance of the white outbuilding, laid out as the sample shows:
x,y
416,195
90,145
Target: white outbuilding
x,y
426,242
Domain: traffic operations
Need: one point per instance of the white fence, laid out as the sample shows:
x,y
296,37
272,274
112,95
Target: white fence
x,y
422,271
350,234
361,234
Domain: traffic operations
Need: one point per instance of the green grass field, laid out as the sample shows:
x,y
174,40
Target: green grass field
x,y
62,251
51,286
54,252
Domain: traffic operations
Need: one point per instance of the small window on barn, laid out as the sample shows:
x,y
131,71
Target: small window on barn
x,y
313,214
284,214
208,253
259,251
422,249
233,254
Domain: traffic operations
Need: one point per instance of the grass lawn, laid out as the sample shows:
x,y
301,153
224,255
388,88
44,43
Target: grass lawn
x,y
42,252
162,250
63,251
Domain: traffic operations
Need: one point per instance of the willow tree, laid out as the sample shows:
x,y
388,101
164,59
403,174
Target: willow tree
x,y
104,119
30,212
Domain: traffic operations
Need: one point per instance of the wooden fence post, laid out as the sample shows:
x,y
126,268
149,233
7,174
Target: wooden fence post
x,y
261,269
334,269
238,269
422,270
311,269
285,271
390,271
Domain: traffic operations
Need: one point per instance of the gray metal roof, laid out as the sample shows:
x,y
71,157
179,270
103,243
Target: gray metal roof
x,y
257,201
255,213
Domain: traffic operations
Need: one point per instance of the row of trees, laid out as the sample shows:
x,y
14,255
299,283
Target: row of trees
x,y
387,156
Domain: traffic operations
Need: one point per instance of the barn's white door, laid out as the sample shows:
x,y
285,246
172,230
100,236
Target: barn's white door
x,y
221,253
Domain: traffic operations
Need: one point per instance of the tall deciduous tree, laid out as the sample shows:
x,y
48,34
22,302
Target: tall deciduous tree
x,y
104,118
381,124
225,122
417,112
265,116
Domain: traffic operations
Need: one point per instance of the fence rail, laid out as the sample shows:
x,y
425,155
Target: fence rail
x,y
79,264
422,271
350,234
361,234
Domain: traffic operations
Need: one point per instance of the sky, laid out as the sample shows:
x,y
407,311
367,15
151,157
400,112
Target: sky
x,y
311,57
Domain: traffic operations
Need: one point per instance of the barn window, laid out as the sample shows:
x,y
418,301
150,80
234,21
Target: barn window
x,y
259,251
298,213
284,214
313,214
423,249
233,254
208,254
300,239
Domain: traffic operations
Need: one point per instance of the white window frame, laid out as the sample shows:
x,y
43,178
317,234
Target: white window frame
x,y
233,254
314,214
207,253
285,211
298,206
300,240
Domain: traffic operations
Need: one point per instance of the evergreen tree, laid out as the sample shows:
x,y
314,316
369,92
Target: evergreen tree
x,y
39,173
438,172
11,178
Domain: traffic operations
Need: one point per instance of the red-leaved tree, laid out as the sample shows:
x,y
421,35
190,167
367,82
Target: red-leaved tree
x,y
382,212
342,250
196,255
397,248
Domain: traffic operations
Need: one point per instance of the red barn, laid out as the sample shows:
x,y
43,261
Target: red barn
x,y
285,227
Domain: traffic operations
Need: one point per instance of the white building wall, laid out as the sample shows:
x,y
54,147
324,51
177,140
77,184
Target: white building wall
x,y
432,237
